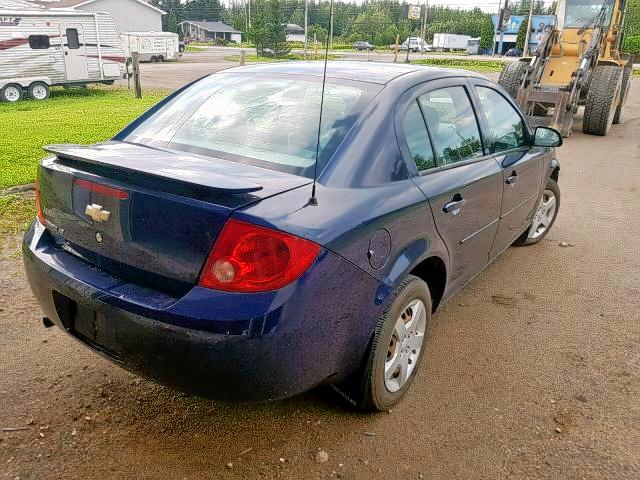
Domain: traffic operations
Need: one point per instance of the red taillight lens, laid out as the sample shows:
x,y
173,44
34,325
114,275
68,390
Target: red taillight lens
x,y
102,189
250,258
39,211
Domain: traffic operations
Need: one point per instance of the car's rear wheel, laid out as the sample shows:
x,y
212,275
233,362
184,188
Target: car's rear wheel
x,y
544,217
397,347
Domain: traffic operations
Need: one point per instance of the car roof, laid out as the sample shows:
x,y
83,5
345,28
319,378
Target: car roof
x,y
371,72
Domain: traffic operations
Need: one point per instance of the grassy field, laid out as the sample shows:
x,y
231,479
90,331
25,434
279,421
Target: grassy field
x,y
193,48
484,66
16,212
73,116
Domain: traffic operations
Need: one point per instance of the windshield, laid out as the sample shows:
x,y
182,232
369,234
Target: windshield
x,y
579,12
265,120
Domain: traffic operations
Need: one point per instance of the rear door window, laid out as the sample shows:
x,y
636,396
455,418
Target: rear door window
x,y
452,124
415,132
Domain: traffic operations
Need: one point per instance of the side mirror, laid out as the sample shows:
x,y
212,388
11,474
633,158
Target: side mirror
x,y
546,137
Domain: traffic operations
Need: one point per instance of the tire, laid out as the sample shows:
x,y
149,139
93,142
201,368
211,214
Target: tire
x,y
374,391
39,91
161,58
624,92
11,93
531,236
599,108
511,77
153,59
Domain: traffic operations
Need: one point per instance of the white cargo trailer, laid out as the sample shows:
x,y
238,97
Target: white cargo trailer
x,y
42,48
450,41
151,46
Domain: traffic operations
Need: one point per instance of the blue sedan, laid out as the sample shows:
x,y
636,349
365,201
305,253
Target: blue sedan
x,y
191,249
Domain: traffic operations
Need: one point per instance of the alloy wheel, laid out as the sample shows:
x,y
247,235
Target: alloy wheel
x,y
405,345
544,215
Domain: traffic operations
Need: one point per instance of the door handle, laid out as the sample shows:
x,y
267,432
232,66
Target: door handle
x,y
512,179
455,205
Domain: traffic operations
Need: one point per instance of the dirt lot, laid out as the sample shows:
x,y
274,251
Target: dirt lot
x,y
532,372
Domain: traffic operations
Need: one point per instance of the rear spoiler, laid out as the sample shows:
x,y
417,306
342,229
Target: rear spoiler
x,y
188,168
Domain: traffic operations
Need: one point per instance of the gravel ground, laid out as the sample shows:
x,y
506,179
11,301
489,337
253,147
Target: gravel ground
x,y
533,371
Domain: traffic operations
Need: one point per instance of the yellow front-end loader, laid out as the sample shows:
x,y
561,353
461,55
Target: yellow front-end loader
x,y
578,62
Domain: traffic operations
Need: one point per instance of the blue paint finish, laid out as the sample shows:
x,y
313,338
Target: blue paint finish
x,y
377,219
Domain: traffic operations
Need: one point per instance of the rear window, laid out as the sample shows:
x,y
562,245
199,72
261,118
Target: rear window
x,y
265,120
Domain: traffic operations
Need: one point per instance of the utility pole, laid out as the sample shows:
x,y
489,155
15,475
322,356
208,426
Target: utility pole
x,y
331,28
306,26
525,48
500,29
249,13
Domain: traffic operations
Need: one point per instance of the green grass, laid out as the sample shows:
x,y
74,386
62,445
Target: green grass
x,y
291,56
69,116
474,65
16,212
193,49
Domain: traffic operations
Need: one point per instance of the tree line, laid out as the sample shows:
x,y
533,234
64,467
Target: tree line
x,y
376,21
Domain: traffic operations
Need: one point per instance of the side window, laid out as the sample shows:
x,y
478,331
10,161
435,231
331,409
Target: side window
x,y
506,130
417,137
452,124
72,39
39,42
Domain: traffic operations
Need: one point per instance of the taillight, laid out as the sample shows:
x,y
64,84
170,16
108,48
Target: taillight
x,y
250,258
39,211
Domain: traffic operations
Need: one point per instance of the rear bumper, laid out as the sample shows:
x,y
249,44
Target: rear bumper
x,y
217,344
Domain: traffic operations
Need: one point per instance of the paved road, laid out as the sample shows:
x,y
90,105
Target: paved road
x,y
533,371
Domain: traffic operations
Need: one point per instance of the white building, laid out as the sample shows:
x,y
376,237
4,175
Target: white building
x,y
203,31
295,33
128,15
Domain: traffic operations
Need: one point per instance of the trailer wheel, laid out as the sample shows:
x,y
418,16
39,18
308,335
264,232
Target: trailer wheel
x,y
39,91
511,77
600,106
161,58
153,59
626,83
11,93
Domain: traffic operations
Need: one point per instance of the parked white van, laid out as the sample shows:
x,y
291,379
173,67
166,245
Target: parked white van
x,y
42,48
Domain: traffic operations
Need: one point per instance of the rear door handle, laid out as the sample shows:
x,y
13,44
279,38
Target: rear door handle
x,y
512,179
455,205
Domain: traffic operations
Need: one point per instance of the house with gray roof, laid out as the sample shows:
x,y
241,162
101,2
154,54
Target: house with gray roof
x,y
204,31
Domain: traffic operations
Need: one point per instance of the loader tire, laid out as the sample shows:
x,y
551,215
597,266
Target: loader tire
x,y
624,93
600,106
511,77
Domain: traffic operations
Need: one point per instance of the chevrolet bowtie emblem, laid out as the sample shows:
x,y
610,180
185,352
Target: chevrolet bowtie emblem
x,y
97,213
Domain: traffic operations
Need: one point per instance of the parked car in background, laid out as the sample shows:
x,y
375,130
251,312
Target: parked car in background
x,y
191,252
415,44
513,52
43,48
182,47
361,45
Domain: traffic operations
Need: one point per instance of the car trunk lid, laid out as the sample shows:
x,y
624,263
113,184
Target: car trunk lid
x,y
147,215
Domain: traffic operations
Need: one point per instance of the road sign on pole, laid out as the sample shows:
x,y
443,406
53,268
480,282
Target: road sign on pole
x,y
414,12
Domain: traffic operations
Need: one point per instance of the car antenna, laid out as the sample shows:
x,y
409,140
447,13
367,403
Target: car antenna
x,y
313,199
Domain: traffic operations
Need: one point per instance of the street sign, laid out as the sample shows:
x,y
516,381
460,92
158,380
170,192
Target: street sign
x,y
414,12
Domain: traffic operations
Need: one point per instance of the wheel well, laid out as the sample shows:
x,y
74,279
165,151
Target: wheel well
x,y
432,271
